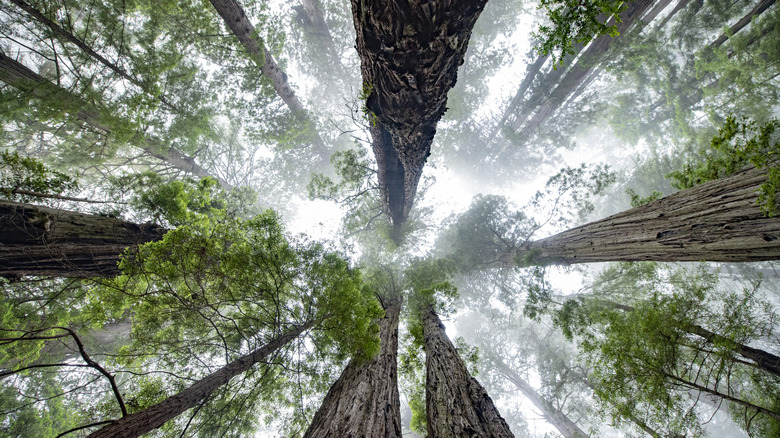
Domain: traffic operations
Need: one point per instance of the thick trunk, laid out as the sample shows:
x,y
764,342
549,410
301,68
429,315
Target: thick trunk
x,y
236,20
558,419
17,75
139,423
51,242
457,405
390,173
410,53
364,401
716,221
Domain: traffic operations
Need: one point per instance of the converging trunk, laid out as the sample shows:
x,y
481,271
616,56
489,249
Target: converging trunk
x,y
139,423
410,53
364,401
717,221
457,405
51,242
558,419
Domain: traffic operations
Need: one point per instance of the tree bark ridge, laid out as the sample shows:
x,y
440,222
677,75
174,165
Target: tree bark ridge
x,y
364,401
456,404
51,242
410,53
717,221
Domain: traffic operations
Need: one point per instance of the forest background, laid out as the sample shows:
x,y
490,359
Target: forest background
x,y
190,135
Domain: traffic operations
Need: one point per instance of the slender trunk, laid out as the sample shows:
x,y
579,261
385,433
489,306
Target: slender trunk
x,y
315,25
236,20
51,242
457,405
706,390
590,58
558,419
410,53
677,8
716,221
762,6
17,75
139,423
364,401
517,99
763,360
68,36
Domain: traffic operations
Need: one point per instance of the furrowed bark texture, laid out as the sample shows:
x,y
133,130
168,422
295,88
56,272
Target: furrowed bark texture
x,y
139,423
457,405
558,419
364,401
18,76
51,242
410,53
236,20
716,221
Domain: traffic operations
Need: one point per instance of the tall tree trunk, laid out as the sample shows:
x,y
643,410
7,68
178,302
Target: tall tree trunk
x,y
717,221
18,76
51,242
558,419
410,53
236,20
457,405
139,423
364,401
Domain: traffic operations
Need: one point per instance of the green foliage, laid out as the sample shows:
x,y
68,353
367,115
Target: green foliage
x,y
738,145
25,173
576,22
640,331
637,200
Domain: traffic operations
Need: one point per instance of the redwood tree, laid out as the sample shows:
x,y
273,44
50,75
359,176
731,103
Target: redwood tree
x,y
46,241
456,404
410,53
364,401
717,221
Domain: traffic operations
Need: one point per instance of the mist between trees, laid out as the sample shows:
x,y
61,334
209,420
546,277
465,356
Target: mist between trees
x,y
556,219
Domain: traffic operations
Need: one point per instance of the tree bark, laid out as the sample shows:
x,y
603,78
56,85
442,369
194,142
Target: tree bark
x,y
139,423
558,419
457,405
18,76
716,221
236,20
364,401
410,53
51,242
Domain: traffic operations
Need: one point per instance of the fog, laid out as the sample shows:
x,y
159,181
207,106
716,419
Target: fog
x,y
303,114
